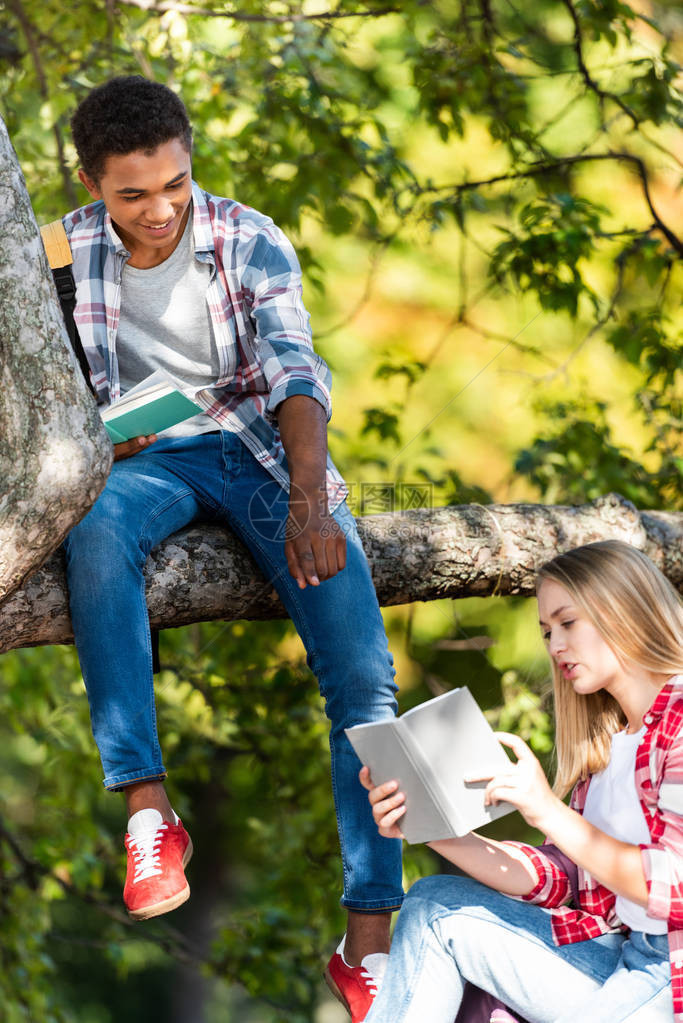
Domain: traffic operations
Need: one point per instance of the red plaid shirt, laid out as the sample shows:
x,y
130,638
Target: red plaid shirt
x,y
659,783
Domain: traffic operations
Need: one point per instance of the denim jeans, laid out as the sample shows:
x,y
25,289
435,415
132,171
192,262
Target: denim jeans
x,y
150,496
453,929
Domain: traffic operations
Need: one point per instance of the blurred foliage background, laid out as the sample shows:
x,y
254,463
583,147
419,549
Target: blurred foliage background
x,y
485,197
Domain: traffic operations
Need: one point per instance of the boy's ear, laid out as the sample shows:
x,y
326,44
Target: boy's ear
x,y
90,184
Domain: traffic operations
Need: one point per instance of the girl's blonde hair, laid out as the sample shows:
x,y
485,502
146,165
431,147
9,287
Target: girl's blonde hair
x,y
639,614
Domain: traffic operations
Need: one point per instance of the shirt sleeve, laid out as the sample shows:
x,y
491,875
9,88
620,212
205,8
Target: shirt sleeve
x,y
663,859
553,887
271,281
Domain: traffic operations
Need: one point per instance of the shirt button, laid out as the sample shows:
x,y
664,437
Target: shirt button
x,y
648,719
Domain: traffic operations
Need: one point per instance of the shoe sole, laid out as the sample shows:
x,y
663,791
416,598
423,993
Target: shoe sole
x,y
335,990
159,908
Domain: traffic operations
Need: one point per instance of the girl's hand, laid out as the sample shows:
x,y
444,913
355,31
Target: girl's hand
x,y
524,784
387,808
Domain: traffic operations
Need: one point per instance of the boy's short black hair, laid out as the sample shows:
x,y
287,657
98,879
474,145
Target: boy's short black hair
x,y
126,114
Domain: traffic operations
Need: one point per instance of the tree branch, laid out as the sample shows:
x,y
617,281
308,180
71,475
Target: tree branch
x,y
27,28
166,936
275,19
55,454
204,573
602,94
29,868
538,169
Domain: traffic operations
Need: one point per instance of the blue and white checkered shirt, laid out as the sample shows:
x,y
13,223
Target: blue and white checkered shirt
x,y
260,324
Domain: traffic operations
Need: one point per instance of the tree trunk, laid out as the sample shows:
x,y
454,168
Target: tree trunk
x,y
204,573
54,452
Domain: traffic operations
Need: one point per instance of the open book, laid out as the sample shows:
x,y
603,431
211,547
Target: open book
x,y
153,405
429,750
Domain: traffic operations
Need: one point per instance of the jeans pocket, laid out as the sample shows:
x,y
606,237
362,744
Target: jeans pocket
x,y
654,945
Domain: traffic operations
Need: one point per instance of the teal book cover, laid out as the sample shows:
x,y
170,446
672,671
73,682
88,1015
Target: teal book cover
x,y
156,415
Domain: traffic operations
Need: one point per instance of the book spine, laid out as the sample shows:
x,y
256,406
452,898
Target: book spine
x,y
432,786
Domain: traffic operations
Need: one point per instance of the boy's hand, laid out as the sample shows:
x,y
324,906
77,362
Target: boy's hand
x,y
386,808
132,446
315,545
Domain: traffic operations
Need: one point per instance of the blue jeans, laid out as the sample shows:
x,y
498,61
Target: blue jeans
x,y
453,929
150,496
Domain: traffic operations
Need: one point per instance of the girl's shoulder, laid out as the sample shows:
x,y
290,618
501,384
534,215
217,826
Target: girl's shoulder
x,y
665,717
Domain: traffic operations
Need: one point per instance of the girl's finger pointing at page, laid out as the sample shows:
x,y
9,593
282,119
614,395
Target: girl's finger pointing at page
x,y
469,779
517,745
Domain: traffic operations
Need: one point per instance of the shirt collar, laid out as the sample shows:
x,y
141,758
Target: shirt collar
x,y
664,696
113,240
201,226
201,222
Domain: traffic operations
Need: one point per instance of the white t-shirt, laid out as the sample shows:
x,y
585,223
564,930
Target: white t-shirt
x,y
612,805
165,324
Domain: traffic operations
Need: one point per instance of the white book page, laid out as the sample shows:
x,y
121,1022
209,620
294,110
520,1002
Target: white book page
x,y
458,741
156,385
389,753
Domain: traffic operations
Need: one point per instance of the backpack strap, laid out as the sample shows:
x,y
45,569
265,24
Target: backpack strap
x,y
58,252
56,244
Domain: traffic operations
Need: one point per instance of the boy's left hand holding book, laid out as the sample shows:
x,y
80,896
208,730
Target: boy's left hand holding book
x,y
127,448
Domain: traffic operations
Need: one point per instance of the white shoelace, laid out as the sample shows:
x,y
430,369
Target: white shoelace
x,y
373,968
370,982
145,849
145,833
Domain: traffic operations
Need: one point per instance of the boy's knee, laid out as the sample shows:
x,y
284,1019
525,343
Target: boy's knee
x,y
108,518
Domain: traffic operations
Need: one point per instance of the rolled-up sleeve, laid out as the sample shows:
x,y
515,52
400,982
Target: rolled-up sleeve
x,y
553,887
271,282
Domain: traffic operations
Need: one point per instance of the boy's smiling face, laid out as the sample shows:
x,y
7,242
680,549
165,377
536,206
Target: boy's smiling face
x,y
147,194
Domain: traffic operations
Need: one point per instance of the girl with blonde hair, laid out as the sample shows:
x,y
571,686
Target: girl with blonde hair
x,y
613,627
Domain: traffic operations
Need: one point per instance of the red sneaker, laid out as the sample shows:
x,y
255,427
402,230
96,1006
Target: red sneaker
x,y
355,986
157,855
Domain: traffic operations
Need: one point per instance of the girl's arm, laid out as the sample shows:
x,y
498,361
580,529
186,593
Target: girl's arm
x,y
500,866
504,867
617,865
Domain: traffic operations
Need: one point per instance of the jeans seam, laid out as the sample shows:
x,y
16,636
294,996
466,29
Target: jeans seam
x,y
122,781
308,642
158,510
411,988
333,767
373,906
142,597
287,584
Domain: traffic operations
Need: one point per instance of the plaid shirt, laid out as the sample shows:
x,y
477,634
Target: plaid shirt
x,y
260,324
659,783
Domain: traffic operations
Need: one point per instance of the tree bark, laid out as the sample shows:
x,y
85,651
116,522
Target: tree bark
x,y
204,573
54,452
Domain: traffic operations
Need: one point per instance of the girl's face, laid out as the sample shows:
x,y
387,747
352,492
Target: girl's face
x,y
581,654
